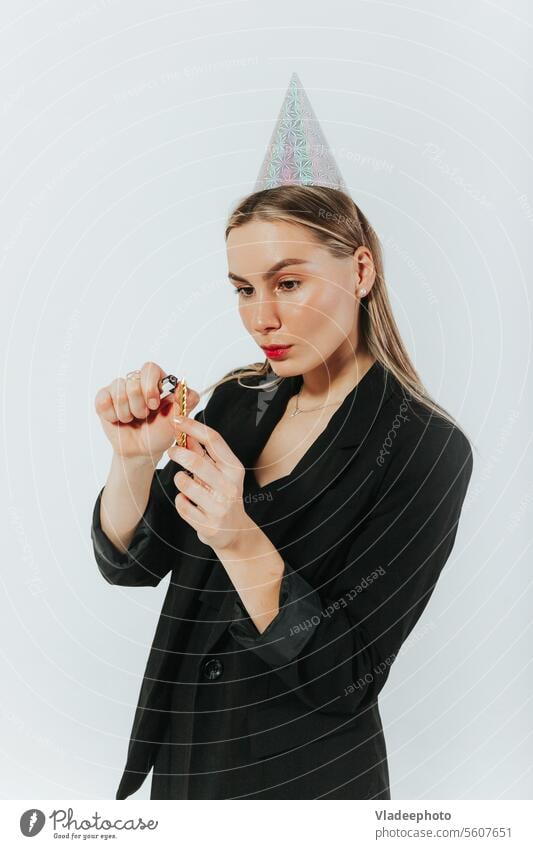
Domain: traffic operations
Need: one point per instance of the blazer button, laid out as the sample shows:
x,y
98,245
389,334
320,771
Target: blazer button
x,y
212,668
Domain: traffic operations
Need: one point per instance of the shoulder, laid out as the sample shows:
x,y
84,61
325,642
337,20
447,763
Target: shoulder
x,y
421,440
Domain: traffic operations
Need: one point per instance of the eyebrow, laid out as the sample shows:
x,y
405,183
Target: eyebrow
x,y
271,271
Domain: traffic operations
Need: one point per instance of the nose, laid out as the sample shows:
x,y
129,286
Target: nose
x,y
264,315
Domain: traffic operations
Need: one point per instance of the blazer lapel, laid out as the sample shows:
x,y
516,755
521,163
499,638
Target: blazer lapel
x,y
247,429
331,455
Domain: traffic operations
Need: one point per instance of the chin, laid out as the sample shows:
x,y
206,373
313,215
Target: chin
x,y
284,368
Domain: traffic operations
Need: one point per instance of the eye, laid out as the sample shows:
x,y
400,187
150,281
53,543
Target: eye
x,y
296,284
248,289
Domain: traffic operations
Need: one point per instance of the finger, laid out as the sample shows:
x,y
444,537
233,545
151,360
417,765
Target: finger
x,y
151,374
120,400
136,400
197,447
215,444
189,511
104,405
202,467
192,444
194,491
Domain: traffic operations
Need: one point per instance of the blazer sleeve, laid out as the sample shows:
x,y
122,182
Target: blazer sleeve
x,y
152,550
333,645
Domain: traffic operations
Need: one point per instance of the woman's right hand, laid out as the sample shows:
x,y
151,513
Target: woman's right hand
x,y
136,421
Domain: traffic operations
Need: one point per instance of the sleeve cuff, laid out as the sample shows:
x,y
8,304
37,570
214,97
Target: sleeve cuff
x,y
109,553
300,609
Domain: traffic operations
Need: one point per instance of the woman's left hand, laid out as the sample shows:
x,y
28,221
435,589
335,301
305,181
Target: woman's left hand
x,y
212,504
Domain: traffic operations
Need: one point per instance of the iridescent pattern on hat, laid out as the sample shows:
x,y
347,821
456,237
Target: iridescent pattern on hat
x,y
298,152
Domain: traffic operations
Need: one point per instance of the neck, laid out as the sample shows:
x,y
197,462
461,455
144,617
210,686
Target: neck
x,y
332,382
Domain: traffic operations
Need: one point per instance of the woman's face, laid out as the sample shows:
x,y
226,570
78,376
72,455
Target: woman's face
x,y
292,291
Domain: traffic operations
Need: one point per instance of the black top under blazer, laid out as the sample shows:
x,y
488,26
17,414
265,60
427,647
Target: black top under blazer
x,y
364,524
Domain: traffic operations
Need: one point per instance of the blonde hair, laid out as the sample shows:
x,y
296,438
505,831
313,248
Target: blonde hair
x,y
337,222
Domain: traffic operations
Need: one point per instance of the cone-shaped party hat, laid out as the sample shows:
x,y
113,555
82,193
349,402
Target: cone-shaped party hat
x,y
298,151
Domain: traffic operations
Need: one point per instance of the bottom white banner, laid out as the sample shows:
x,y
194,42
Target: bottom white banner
x,y
288,822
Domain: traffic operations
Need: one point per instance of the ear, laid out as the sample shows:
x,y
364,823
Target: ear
x,y
364,269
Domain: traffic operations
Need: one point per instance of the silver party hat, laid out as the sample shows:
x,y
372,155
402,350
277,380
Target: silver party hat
x,y
298,151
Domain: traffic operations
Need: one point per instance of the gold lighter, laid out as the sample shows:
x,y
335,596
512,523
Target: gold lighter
x,y
172,385
180,409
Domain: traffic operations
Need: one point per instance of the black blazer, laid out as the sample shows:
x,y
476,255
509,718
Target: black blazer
x,y
365,524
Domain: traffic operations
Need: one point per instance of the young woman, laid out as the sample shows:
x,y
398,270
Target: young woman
x,y
324,500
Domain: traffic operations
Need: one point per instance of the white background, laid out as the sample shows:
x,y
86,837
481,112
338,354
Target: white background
x,y
129,130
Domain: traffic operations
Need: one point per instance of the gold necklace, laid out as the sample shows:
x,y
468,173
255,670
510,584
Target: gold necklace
x,y
297,410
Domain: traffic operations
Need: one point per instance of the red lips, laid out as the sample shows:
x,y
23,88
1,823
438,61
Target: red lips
x,y
274,347
277,351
